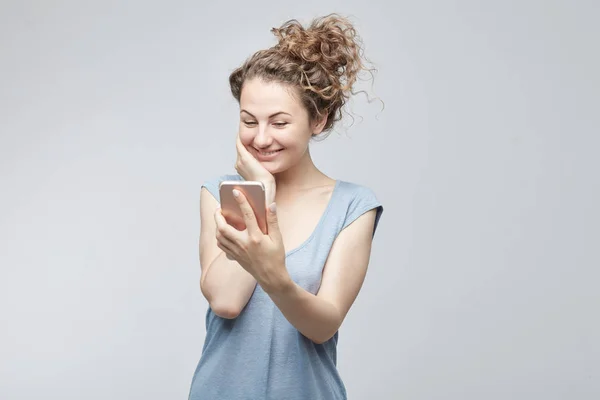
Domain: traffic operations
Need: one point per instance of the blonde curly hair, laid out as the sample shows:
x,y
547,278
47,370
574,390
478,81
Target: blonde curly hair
x,y
322,61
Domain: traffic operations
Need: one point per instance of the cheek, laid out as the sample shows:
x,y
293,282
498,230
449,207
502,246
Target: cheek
x,y
246,135
293,140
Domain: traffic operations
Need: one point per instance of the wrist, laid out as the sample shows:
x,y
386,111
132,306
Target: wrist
x,y
277,286
269,180
269,191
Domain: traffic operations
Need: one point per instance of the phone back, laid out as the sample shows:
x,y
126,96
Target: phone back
x,y
254,191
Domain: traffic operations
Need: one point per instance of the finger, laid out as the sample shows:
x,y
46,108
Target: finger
x,y
245,155
224,241
219,218
239,162
273,223
224,229
225,244
241,149
247,212
226,250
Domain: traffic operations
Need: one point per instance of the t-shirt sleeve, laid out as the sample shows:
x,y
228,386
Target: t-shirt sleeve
x,y
212,185
363,201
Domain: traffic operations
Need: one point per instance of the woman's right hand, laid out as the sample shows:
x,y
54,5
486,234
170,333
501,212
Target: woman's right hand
x,y
252,170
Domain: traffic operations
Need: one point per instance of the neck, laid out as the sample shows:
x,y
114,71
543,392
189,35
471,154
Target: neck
x,y
301,176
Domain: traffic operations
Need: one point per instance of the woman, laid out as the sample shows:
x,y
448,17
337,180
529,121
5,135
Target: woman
x,y
277,300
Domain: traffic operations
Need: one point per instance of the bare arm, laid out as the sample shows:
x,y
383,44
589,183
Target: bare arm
x,y
224,283
319,316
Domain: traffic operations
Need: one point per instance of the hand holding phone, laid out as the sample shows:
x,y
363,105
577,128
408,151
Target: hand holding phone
x,y
254,191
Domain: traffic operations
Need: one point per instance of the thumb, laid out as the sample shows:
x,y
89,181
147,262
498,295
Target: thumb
x,y
272,223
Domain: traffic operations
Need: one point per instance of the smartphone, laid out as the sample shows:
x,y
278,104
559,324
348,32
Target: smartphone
x,y
254,191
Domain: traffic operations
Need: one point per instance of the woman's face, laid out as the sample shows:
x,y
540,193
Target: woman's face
x,y
274,125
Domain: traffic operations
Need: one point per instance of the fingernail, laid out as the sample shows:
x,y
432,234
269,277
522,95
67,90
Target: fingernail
x,y
236,193
273,208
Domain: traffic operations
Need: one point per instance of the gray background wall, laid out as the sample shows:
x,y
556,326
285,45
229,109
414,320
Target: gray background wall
x,y
485,270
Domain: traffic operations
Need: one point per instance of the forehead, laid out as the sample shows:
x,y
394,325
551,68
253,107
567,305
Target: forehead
x,y
263,98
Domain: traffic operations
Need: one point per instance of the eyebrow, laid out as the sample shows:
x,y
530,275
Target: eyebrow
x,y
270,116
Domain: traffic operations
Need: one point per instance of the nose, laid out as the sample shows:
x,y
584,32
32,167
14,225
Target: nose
x,y
263,139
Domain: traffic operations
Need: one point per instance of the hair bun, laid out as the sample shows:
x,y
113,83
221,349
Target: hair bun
x,y
330,42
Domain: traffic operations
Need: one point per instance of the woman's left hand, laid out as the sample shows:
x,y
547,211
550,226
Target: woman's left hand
x,y
262,255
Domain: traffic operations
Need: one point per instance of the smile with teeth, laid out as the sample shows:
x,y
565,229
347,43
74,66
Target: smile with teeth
x,y
268,153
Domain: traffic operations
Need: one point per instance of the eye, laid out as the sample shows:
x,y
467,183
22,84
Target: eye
x,y
280,124
250,123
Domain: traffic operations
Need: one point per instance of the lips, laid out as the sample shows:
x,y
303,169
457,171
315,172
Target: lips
x,y
267,154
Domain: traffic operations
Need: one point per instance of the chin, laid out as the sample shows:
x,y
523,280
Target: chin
x,y
273,168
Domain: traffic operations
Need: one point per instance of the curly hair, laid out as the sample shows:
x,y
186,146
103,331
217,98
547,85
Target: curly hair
x,y
322,61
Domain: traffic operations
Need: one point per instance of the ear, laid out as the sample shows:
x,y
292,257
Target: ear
x,y
319,125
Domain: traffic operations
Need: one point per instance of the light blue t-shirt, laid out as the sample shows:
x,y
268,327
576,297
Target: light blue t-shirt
x,y
260,355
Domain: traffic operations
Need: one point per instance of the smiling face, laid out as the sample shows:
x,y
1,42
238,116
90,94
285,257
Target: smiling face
x,y
274,124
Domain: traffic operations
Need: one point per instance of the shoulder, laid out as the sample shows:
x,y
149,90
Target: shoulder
x,y
356,191
355,200
212,184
